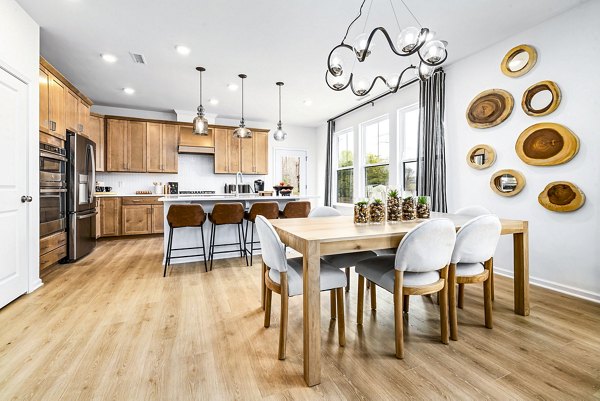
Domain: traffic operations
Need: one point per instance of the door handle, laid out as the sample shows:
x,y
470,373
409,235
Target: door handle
x,y
26,199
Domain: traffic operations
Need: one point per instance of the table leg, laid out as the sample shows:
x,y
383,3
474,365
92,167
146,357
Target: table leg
x,y
262,285
521,266
312,313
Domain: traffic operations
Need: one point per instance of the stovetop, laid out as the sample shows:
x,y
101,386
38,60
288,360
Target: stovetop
x,y
196,192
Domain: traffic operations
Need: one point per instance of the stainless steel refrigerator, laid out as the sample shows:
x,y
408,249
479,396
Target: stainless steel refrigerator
x,y
81,204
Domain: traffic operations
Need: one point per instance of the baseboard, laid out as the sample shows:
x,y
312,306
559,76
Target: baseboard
x,y
35,285
551,285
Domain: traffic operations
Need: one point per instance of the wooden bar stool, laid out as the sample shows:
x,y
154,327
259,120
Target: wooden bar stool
x,y
295,209
270,210
223,214
180,216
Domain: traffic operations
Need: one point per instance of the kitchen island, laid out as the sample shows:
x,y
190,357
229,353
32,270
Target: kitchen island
x,y
192,237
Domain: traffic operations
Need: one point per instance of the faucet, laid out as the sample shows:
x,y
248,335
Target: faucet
x,y
237,188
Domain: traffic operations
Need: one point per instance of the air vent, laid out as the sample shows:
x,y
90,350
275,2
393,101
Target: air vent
x,y
138,58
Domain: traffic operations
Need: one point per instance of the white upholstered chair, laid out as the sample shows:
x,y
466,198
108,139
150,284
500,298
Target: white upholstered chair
x,y
419,267
471,263
284,276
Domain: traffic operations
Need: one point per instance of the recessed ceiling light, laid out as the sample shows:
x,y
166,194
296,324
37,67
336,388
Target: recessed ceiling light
x,y
214,101
129,91
307,102
183,50
109,58
232,87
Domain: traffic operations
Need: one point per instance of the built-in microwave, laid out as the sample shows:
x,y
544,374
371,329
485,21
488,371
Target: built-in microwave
x,y
53,189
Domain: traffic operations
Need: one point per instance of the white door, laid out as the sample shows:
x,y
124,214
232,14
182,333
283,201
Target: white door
x,y
13,185
290,167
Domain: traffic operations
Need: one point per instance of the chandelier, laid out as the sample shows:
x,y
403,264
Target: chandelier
x,y
421,41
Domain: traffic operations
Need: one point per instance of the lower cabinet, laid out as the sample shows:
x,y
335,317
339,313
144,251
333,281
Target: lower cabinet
x,y
130,215
52,249
110,217
137,219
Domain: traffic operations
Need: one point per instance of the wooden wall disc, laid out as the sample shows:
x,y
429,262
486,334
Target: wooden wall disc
x,y
481,156
561,196
548,106
518,61
547,144
489,108
507,182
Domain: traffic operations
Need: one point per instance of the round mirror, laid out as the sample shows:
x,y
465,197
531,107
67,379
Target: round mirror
x,y
481,157
507,182
518,61
541,99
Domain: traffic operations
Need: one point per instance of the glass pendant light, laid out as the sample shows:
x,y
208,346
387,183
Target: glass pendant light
x,y
242,131
200,122
279,134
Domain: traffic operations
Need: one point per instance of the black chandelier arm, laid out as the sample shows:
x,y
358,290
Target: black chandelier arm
x,y
333,51
399,83
351,85
336,89
420,43
370,87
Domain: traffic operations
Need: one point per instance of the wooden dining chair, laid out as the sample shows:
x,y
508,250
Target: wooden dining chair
x,y
471,263
419,267
284,277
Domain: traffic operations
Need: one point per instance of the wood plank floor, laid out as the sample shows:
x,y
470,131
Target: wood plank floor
x,y
110,327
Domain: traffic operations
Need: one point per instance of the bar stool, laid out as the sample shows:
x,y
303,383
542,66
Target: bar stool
x,y
222,214
295,209
270,210
180,216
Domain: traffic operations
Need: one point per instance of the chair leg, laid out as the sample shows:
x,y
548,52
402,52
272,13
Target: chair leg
x,y
168,255
373,296
444,307
240,240
268,297
361,299
212,245
461,295
263,287
333,302
251,243
245,253
398,321
284,315
405,303
487,298
452,302
203,249
492,275
347,279
341,321
368,284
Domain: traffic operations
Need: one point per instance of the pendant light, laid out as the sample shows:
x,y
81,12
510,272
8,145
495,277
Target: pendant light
x,y
200,122
279,134
242,131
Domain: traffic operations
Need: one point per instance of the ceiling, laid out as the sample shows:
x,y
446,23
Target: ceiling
x,y
269,40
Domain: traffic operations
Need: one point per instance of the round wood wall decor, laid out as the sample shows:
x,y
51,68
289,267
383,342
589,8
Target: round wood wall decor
x,y
518,61
547,144
531,106
507,182
561,196
489,108
481,156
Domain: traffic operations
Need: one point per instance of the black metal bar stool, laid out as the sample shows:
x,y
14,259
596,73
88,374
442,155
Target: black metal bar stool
x,y
180,216
270,210
222,214
295,209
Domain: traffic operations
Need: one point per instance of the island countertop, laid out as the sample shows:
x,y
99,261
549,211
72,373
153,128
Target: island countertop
x,y
230,197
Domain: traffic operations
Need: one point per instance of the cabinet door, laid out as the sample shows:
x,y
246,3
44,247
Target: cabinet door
x,y
110,216
71,111
95,132
136,146
261,153
247,155
233,151
170,157
44,101
56,107
158,219
116,145
137,219
154,148
221,150
83,116
98,218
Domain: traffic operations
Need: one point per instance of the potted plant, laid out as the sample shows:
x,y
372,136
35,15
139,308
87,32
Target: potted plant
x,y
377,211
361,212
409,211
394,210
423,207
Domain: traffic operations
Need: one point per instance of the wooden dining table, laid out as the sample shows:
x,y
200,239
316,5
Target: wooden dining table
x,y
316,237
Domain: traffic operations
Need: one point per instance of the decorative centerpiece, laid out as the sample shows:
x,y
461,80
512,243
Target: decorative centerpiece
x,y
409,211
377,211
361,212
394,210
423,207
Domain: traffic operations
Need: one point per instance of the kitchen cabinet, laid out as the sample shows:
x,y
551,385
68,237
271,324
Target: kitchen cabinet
x,y
125,145
44,83
161,153
137,219
136,146
95,131
227,151
250,155
98,218
192,143
158,219
71,111
52,249
110,216
56,107
255,153
83,117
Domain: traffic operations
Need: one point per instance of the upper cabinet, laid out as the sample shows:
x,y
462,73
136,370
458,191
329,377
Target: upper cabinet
x,y
126,145
161,152
56,107
95,132
192,143
44,101
250,156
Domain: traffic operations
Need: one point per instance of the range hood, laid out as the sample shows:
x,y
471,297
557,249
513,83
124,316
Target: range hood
x,y
195,144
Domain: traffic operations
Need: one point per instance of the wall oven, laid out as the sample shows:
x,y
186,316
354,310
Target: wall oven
x,y
53,189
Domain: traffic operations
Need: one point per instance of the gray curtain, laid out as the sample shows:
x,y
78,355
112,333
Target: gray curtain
x,y
431,170
329,161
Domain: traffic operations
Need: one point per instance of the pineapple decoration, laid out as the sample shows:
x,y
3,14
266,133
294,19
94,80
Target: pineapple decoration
x,y
377,211
361,212
394,210
423,207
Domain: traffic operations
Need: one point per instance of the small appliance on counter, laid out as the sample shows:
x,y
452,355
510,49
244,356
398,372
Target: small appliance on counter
x,y
242,188
197,192
259,185
172,188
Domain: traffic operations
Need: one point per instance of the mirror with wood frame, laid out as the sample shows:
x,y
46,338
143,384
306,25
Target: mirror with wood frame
x,y
541,99
481,156
518,61
547,144
507,182
561,196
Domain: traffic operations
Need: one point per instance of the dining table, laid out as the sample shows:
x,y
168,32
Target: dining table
x,y
317,237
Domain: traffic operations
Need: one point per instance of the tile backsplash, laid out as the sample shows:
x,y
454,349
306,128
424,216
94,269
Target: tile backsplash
x,y
196,172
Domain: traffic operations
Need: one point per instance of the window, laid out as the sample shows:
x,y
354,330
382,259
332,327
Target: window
x,y
345,167
376,145
408,124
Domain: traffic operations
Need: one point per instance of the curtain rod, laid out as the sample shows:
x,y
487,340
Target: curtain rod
x,y
371,101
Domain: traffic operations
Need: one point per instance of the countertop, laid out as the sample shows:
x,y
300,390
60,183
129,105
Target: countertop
x,y
118,195
218,197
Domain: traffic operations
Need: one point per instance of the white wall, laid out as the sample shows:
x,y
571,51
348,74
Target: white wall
x,y
135,113
19,54
564,251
